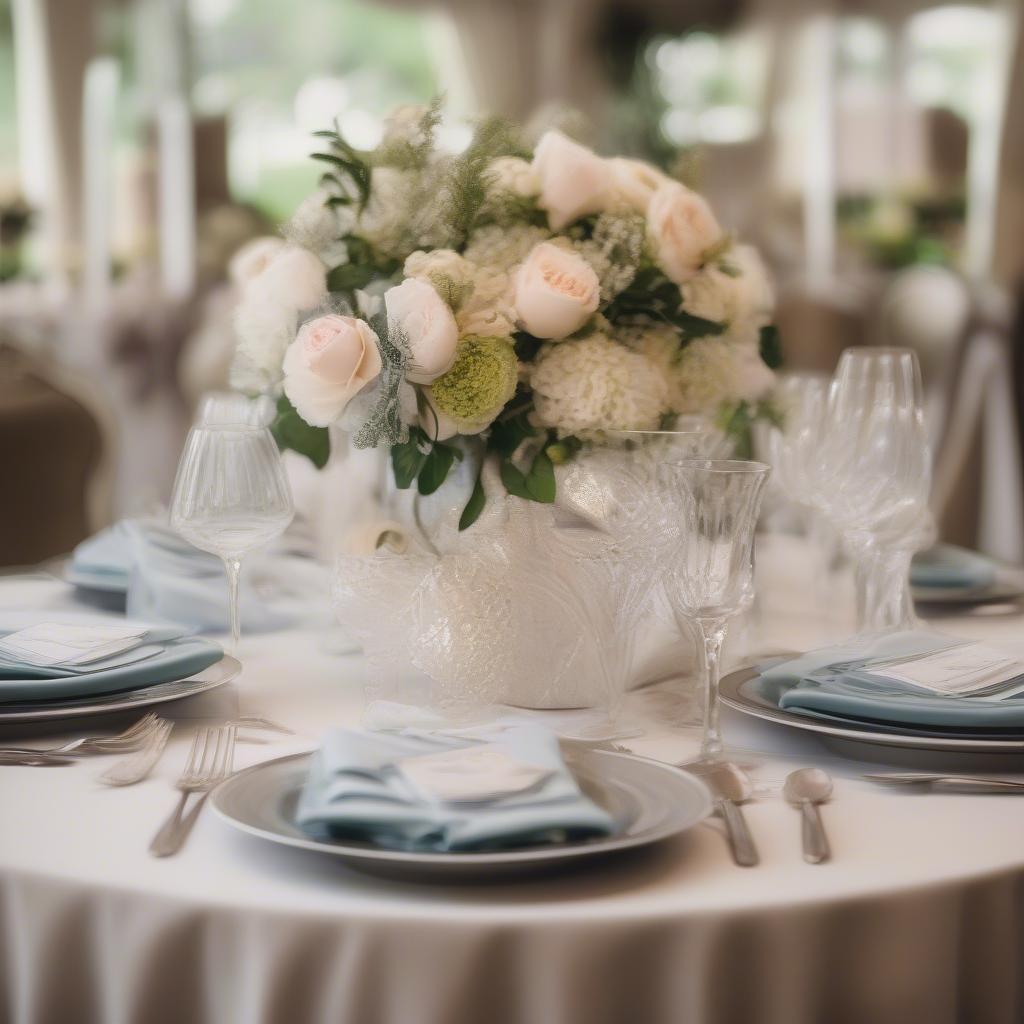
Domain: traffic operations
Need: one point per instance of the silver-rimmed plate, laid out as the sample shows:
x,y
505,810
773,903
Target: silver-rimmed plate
x,y
648,800
738,691
218,674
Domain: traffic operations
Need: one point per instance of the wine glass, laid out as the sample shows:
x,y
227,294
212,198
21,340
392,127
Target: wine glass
x,y
230,493
874,469
713,569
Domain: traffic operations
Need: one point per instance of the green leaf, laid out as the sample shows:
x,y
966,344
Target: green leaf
x,y
507,435
514,481
350,276
407,459
435,468
293,433
475,505
771,346
540,481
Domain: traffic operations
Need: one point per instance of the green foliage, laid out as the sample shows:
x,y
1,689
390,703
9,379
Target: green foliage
x,y
467,181
423,461
652,294
412,154
771,346
293,433
475,505
350,169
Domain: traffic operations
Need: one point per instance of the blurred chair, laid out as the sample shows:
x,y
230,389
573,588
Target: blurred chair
x,y
815,328
55,447
978,491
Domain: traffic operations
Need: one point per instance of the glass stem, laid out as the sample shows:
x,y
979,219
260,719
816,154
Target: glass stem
x,y
712,632
892,606
233,566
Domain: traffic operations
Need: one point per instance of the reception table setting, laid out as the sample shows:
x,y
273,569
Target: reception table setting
x,y
564,732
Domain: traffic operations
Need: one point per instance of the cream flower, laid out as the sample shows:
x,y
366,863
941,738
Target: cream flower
x,y
294,278
424,319
512,176
713,371
594,384
253,258
633,183
319,228
555,291
682,229
735,290
502,248
573,180
330,361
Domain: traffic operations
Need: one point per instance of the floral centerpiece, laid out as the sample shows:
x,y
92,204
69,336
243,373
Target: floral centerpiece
x,y
523,299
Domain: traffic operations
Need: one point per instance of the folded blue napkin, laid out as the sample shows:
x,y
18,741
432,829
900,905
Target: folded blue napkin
x,y
949,566
837,682
355,791
169,580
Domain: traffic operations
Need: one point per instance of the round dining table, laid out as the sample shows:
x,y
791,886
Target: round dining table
x,y
917,918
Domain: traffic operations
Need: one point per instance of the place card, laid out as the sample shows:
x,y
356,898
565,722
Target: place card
x,y
963,670
470,775
52,643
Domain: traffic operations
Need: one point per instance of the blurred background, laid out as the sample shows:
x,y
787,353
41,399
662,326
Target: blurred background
x,y
873,149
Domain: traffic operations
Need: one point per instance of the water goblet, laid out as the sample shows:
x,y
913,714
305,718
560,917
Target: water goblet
x,y
719,501
230,494
874,475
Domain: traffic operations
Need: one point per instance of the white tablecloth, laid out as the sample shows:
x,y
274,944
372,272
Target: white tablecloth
x,y
918,918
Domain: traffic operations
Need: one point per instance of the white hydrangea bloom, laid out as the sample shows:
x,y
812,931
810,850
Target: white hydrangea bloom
x,y
734,290
439,263
713,371
662,345
501,248
594,384
319,228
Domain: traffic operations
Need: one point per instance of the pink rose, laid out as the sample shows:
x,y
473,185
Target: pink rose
x,y
573,180
682,229
416,310
555,291
330,361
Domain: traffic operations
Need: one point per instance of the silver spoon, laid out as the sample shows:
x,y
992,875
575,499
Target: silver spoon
x,y
805,789
731,786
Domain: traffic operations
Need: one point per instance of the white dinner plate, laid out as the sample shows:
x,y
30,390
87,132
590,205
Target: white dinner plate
x,y
736,691
649,802
214,675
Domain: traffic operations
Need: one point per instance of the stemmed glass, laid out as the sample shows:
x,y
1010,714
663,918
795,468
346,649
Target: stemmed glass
x,y
231,493
719,501
874,469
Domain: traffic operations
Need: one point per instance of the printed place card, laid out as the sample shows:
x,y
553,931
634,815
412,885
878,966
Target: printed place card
x,y
470,775
964,670
53,643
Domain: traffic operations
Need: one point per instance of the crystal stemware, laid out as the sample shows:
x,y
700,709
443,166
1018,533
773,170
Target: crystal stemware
x,y
230,493
718,504
875,475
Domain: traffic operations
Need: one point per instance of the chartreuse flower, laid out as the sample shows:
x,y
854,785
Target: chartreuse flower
x,y
482,379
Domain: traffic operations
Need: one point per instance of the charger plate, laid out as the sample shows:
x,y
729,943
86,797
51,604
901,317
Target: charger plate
x,y
212,676
738,691
649,802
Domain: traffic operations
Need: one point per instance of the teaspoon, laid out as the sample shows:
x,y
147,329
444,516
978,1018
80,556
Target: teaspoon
x,y
805,789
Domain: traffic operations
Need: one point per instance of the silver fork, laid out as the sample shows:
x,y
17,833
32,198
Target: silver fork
x,y
209,762
131,739
135,767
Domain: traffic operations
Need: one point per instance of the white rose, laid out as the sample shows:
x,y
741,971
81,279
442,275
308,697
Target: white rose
x,y
330,361
734,290
555,291
421,315
682,228
634,182
573,180
511,175
253,258
293,279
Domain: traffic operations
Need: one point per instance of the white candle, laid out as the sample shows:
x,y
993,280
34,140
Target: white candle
x,y
176,197
99,103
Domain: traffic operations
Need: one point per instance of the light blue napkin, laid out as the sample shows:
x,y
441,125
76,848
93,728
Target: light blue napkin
x,y
836,682
169,580
949,566
353,791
